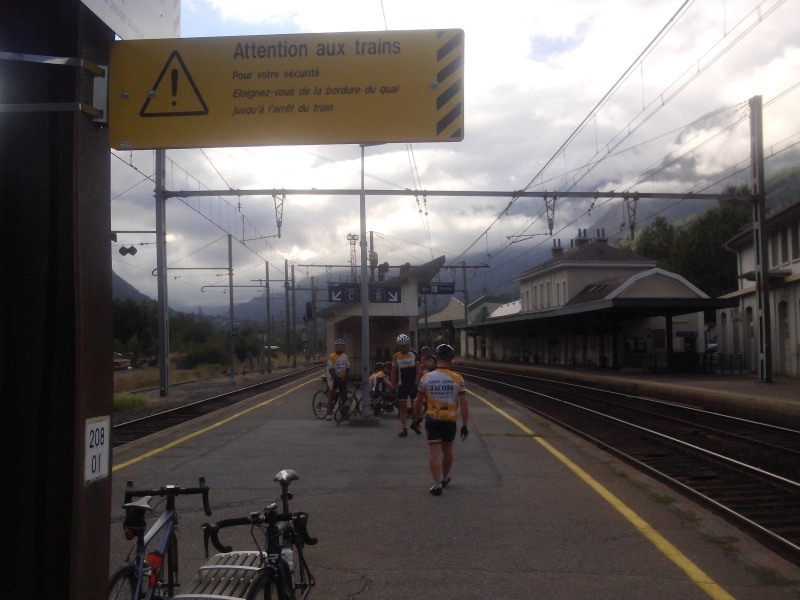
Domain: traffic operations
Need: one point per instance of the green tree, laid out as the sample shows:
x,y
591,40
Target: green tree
x,y
658,243
696,249
699,253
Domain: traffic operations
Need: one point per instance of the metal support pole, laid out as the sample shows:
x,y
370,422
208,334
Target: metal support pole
x,y
294,323
313,331
466,309
269,337
365,354
230,308
161,268
286,288
760,240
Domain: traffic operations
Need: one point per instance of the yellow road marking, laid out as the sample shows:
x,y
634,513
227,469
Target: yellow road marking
x,y
703,581
194,434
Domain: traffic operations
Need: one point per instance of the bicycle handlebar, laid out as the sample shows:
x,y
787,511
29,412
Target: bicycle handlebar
x,y
268,516
171,491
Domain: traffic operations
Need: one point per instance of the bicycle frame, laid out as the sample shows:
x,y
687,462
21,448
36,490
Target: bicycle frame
x,y
153,574
166,525
281,529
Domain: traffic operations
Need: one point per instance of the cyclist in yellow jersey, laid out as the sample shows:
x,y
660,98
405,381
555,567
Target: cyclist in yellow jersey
x,y
403,379
375,379
427,362
443,394
339,370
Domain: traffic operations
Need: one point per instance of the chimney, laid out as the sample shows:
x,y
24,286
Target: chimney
x,y
557,249
601,236
581,239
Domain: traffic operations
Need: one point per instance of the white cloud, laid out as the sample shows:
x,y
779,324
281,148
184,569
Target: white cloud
x,y
531,76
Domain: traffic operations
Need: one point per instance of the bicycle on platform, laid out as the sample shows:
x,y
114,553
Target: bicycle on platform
x,y
285,534
344,408
382,403
151,573
349,405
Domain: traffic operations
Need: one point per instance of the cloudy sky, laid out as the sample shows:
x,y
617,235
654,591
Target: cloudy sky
x,y
575,95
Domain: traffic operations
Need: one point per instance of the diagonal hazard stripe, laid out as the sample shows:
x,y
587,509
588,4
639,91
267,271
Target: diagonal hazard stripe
x,y
448,120
450,77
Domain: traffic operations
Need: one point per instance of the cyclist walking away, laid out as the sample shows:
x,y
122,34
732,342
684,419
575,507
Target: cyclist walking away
x,y
339,370
443,393
403,379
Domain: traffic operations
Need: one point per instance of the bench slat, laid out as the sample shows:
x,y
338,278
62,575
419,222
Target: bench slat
x,y
227,576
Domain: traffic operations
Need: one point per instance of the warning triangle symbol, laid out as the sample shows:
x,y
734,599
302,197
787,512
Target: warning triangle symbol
x,y
174,93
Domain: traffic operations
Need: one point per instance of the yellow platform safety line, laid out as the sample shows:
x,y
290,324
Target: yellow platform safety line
x,y
695,573
194,434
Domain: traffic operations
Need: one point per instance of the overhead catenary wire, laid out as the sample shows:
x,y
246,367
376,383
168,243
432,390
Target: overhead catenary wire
x,y
749,22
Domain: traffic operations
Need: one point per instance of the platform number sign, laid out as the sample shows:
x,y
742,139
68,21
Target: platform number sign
x,y
98,448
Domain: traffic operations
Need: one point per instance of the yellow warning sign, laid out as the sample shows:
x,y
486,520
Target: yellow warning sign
x,y
333,88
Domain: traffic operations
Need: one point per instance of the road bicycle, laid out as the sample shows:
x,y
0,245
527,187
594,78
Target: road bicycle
x,y
151,573
381,403
319,403
350,405
285,534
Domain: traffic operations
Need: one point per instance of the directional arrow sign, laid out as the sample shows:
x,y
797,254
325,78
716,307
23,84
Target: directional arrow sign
x,y
437,288
344,293
384,294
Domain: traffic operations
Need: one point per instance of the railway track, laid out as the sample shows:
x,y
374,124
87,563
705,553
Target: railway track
x,y
134,429
746,471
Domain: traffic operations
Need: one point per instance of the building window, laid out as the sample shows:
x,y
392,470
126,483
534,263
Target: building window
x,y
784,235
564,290
558,294
773,247
548,297
795,242
535,297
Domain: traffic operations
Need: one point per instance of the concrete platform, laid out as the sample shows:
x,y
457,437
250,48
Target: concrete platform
x,y
532,511
742,395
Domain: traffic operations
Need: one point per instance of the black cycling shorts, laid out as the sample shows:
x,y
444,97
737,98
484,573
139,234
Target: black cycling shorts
x,y
440,431
405,391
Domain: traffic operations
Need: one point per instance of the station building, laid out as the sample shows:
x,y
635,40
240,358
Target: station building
x,y
596,305
589,305
738,330
393,308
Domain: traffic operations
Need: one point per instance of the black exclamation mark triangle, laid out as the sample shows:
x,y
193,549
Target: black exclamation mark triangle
x,y
175,95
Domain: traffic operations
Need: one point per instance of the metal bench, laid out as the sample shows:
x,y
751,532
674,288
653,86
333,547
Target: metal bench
x,y
226,577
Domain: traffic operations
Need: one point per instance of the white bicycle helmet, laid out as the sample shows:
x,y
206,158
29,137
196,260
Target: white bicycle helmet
x,y
339,342
403,339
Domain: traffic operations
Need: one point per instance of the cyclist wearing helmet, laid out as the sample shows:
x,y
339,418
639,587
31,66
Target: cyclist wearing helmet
x,y
403,379
427,362
339,370
443,394
376,381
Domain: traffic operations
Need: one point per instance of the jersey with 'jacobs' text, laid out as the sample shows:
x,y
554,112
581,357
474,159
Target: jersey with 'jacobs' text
x,y
442,389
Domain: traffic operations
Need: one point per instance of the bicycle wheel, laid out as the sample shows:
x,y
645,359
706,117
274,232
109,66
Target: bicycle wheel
x,y
273,584
171,560
320,404
343,408
122,585
167,582
355,408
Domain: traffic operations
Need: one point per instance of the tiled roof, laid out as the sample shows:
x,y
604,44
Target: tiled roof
x,y
591,251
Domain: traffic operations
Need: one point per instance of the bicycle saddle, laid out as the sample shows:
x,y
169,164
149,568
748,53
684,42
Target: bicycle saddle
x,y
286,476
